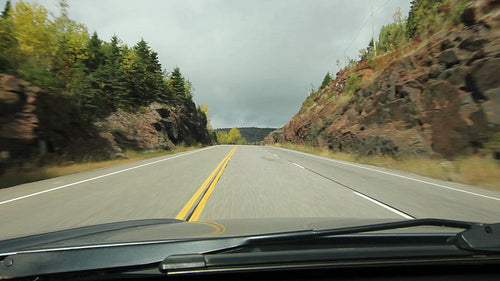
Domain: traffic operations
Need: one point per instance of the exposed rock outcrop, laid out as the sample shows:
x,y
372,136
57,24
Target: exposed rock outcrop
x,y
441,98
36,125
160,126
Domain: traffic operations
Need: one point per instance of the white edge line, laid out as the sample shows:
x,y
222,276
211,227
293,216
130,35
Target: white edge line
x,y
384,206
297,165
395,175
101,176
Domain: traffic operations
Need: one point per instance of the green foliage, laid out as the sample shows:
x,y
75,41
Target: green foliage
x,y
494,141
231,137
40,76
367,53
6,9
351,84
457,8
310,100
206,112
423,15
176,83
251,135
94,53
98,77
392,37
8,42
326,81
80,91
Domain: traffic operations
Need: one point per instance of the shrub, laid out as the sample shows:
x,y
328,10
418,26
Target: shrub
x,y
351,84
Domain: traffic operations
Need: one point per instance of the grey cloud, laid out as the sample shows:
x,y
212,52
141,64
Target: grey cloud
x,y
252,62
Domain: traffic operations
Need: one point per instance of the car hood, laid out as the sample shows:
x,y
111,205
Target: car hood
x,y
171,229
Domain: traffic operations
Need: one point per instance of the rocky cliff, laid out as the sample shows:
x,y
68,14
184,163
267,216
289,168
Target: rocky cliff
x,y
437,97
36,126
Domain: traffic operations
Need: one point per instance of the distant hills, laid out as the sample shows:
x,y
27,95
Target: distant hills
x,y
251,134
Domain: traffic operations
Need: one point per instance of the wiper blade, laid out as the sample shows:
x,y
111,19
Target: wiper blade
x,y
477,237
485,238
253,248
310,234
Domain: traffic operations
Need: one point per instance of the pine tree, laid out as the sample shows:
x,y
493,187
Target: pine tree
x,y
81,92
95,54
326,81
8,42
144,74
422,16
115,82
6,9
177,86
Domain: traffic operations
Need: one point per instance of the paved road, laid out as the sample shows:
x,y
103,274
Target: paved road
x,y
242,182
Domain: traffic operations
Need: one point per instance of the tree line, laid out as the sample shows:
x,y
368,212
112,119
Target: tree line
x,y
424,18
96,76
232,136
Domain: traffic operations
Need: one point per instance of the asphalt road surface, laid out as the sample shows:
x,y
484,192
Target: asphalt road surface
x,y
236,182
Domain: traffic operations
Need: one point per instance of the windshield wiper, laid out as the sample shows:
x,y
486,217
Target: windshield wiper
x,y
476,237
367,228
485,238
341,245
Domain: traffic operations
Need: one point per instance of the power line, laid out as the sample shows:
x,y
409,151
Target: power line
x,y
378,10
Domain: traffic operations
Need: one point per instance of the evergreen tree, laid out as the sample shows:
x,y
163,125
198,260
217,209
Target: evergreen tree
x,y
177,86
326,81
423,15
58,55
115,82
95,54
144,74
97,75
6,9
81,91
7,40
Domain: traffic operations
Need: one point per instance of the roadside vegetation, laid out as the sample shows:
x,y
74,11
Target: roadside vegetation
x,y
95,76
473,170
403,36
249,135
233,136
21,175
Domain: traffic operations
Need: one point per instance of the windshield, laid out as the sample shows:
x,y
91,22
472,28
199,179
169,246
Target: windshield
x,y
247,116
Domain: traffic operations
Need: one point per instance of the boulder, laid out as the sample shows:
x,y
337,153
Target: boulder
x,y
483,75
491,107
449,58
10,102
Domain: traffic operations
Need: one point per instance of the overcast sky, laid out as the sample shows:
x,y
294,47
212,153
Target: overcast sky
x,y
252,62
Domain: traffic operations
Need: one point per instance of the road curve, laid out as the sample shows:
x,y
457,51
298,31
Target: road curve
x,y
242,182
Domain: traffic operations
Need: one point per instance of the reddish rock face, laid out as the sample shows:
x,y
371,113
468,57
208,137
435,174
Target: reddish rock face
x,y
442,98
37,127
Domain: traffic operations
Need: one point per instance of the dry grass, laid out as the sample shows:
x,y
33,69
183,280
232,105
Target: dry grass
x,y
15,176
472,170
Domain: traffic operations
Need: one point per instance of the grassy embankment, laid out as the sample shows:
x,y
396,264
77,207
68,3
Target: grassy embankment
x,y
15,176
472,170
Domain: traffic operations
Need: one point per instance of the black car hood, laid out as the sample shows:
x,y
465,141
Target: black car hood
x,y
172,229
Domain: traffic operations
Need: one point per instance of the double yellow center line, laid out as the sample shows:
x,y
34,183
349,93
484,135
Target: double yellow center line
x,y
192,210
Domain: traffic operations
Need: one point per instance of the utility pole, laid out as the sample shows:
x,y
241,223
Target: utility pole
x,y
373,29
